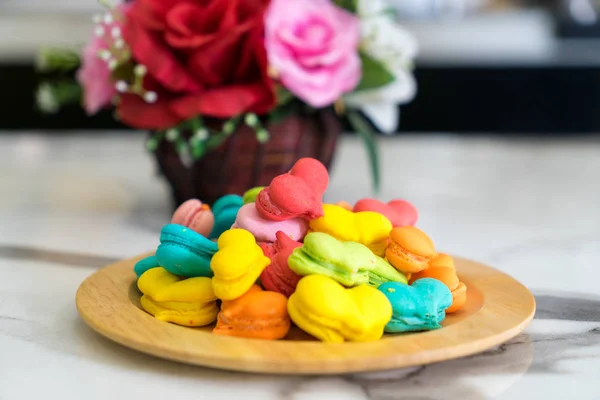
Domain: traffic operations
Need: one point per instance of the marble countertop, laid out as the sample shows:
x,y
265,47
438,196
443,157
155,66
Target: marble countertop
x,y
530,207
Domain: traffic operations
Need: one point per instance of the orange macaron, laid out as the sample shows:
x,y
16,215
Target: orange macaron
x,y
257,314
409,249
442,268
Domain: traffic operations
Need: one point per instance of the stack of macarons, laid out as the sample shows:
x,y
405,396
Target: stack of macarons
x,y
257,264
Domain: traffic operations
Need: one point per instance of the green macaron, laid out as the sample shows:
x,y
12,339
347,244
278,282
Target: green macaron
x,y
348,263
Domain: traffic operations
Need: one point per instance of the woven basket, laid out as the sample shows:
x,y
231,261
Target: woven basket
x,y
242,163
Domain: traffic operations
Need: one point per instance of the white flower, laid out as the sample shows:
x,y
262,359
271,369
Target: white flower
x,y
46,100
383,39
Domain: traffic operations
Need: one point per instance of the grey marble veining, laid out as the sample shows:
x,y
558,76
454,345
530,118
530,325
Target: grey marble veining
x,y
71,204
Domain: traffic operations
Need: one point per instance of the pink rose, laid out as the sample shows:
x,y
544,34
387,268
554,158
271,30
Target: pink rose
x,y
94,75
313,46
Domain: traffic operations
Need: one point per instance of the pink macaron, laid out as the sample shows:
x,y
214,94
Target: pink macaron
x,y
265,230
195,215
399,212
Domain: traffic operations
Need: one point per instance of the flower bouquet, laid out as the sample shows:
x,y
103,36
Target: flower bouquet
x,y
235,91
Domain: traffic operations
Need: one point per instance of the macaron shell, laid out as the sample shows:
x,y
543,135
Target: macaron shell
x,y
188,302
376,311
385,272
322,254
418,307
237,265
230,289
265,230
203,222
297,193
313,172
225,210
180,313
442,260
408,213
325,309
256,314
379,207
321,307
145,264
368,228
184,213
413,240
197,289
443,274
278,276
194,215
185,252
313,324
155,280
459,298
288,197
403,262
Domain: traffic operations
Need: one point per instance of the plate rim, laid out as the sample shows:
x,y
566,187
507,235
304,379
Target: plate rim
x,y
249,355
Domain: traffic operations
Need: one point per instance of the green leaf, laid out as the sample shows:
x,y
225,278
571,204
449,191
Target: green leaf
x,y
364,130
374,74
56,60
198,150
284,96
215,140
349,5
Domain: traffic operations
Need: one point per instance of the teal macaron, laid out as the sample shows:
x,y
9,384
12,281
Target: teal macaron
x,y
185,252
225,210
348,263
145,264
419,307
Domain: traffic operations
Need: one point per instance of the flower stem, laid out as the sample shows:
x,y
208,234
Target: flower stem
x,y
364,130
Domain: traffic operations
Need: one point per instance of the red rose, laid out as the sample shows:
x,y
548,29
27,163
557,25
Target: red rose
x,y
203,57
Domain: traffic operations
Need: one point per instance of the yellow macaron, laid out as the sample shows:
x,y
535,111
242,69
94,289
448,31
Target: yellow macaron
x,y
188,302
366,227
328,311
237,265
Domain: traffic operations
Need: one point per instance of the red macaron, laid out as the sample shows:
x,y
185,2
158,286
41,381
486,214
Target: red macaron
x,y
278,277
297,193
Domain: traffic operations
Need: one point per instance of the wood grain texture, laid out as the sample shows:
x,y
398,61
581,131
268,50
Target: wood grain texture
x,y
497,309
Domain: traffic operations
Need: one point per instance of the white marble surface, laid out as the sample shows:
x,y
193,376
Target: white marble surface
x,y
530,207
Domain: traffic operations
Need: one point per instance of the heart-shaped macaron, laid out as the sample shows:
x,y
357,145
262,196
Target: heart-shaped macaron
x,y
421,306
297,193
325,309
366,227
265,230
188,302
399,212
237,264
349,263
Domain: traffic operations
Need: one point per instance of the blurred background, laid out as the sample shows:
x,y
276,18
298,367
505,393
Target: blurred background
x,y
506,66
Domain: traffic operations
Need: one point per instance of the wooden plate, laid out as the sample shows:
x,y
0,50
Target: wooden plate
x,y
497,309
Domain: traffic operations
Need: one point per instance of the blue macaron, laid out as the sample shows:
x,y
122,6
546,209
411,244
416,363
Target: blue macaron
x,y
419,307
225,210
185,252
145,264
